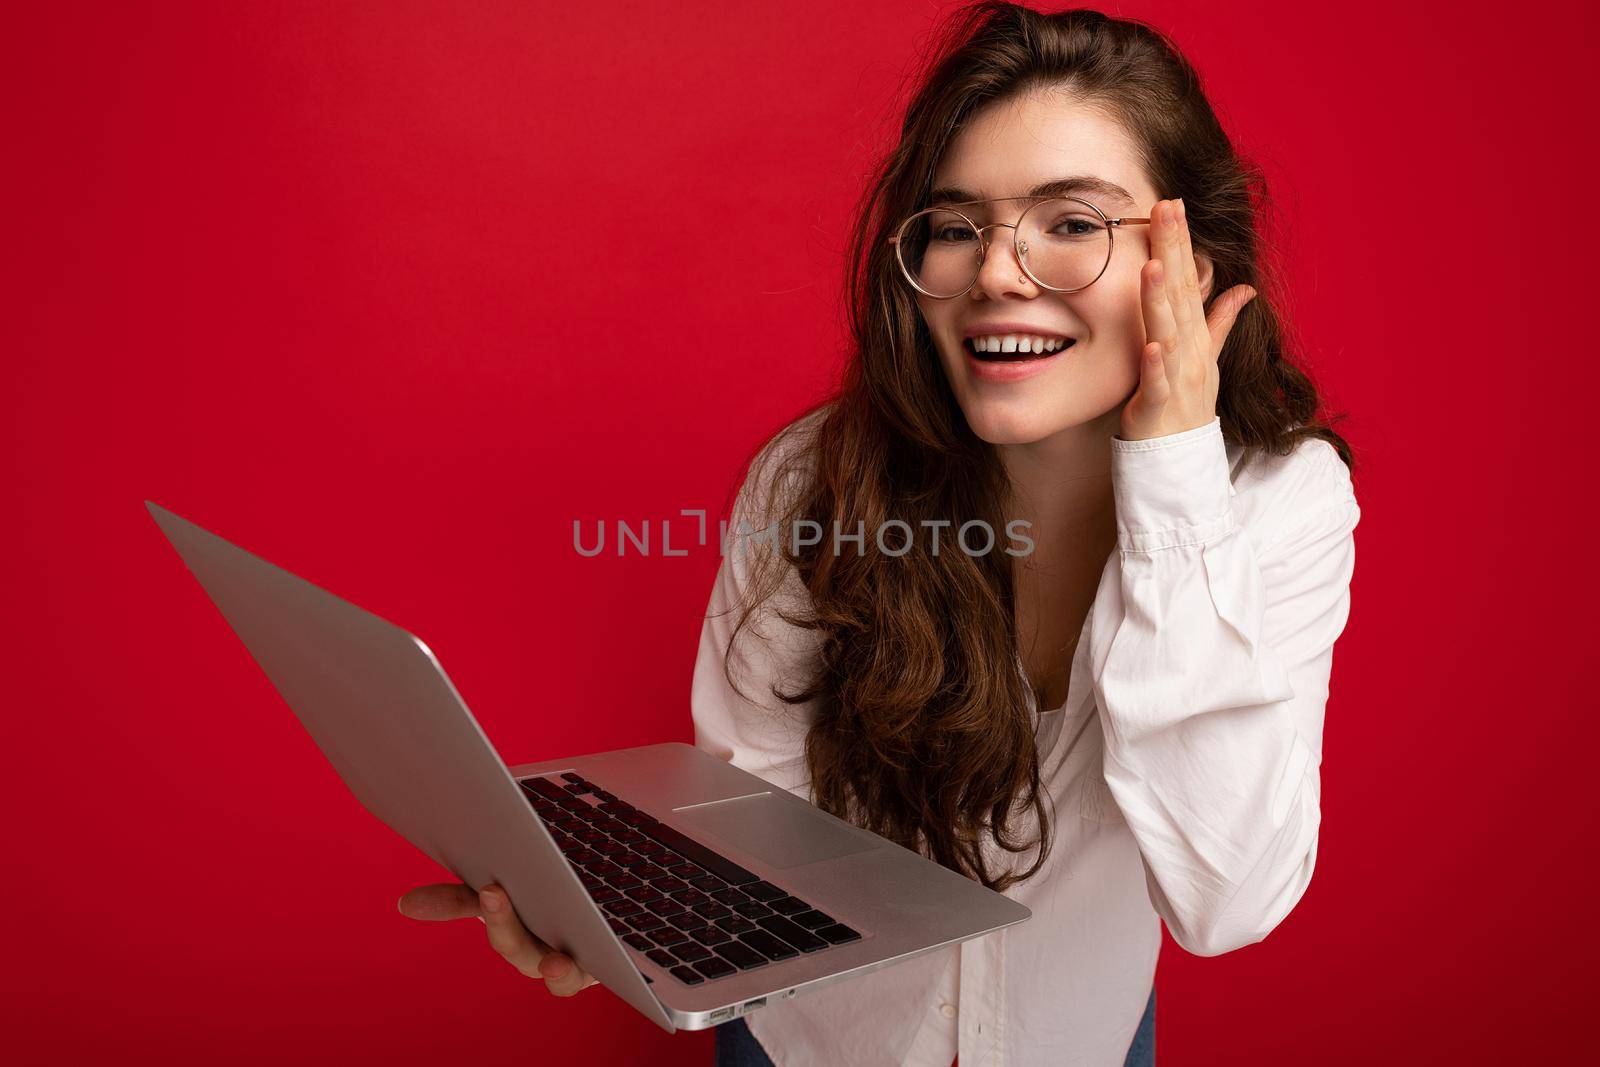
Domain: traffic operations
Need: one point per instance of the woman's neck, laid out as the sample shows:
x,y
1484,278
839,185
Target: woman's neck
x,y
1062,484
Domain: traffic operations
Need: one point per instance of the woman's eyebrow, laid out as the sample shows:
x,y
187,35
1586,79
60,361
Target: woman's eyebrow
x,y
1076,183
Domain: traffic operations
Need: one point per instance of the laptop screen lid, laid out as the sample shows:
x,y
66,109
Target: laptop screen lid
x,y
382,710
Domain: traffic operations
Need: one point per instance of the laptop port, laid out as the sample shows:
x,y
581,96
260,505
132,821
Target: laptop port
x,y
752,1005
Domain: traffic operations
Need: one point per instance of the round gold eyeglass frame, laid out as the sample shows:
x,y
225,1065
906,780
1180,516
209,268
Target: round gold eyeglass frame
x,y
1019,248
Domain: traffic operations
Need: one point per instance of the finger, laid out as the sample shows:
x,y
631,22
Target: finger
x,y
1176,265
562,976
437,903
1159,324
1154,388
1193,319
507,935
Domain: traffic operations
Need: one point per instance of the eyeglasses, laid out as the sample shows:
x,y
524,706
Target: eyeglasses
x,y
1063,244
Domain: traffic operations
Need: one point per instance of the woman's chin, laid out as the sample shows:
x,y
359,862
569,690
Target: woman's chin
x,y
1017,422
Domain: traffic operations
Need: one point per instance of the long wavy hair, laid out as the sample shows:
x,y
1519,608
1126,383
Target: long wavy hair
x,y
922,731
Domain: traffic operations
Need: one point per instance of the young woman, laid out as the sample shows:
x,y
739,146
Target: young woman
x,y
1110,705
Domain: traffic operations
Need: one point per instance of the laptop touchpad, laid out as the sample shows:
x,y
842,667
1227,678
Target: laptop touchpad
x,y
776,832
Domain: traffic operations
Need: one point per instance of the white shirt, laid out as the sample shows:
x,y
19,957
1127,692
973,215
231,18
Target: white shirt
x,y
1184,768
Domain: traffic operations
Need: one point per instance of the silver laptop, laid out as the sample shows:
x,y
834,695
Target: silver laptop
x,y
692,890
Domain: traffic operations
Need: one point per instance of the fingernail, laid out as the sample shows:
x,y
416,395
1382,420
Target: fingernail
x,y
1180,209
490,901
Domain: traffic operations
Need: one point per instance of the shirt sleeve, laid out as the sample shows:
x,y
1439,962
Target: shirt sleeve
x,y
749,726
1212,655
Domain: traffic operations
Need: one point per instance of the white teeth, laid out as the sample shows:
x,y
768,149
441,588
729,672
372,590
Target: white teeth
x,y
1018,342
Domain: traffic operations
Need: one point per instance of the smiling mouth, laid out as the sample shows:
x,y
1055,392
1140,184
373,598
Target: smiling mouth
x,y
1015,357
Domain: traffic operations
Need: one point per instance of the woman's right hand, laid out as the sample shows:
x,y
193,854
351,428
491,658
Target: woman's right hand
x,y
507,935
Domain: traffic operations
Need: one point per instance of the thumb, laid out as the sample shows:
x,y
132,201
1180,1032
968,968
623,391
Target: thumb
x,y
1225,310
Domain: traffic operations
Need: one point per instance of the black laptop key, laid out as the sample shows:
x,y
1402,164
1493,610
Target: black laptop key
x,y
603,894
609,798
691,849
768,945
630,837
618,927
623,908
796,936
578,788
637,819
665,907
668,883
669,936
544,787
686,920
623,881
763,891
689,897
610,825
606,869
612,848
616,807
710,935
714,968
688,952
710,909
736,925
729,896
573,776
709,883
646,922
687,974
752,909
685,870
812,919
740,955
663,957
639,941
837,934
788,905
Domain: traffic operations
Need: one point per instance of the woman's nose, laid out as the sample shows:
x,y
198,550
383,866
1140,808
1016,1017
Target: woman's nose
x,y
1000,271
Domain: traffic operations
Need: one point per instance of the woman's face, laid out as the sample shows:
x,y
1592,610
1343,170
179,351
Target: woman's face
x,y
1006,150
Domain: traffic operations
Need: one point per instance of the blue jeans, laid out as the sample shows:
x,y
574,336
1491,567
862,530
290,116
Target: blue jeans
x,y
737,1046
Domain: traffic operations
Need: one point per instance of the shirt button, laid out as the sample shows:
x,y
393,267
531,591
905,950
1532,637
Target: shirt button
x,y
947,1010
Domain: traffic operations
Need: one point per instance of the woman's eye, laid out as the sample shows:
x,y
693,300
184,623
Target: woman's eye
x,y
1076,227
953,233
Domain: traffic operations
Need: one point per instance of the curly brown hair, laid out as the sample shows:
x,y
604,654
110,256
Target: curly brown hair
x,y
922,731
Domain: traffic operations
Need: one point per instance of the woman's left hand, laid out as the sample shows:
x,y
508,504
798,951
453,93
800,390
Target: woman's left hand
x,y
1178,366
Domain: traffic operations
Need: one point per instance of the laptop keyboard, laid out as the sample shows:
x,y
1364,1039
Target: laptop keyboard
x,y
696,913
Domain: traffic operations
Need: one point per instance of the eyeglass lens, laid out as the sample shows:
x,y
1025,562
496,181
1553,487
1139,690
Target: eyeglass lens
x,y
1064,243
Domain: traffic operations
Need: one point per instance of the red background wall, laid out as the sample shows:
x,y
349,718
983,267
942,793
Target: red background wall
x,y
393,293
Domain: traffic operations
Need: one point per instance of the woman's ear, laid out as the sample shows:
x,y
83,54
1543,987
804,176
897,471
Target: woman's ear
x,y
1202,271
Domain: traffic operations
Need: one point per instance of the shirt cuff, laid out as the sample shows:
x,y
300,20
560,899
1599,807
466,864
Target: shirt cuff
x,y
1172,491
